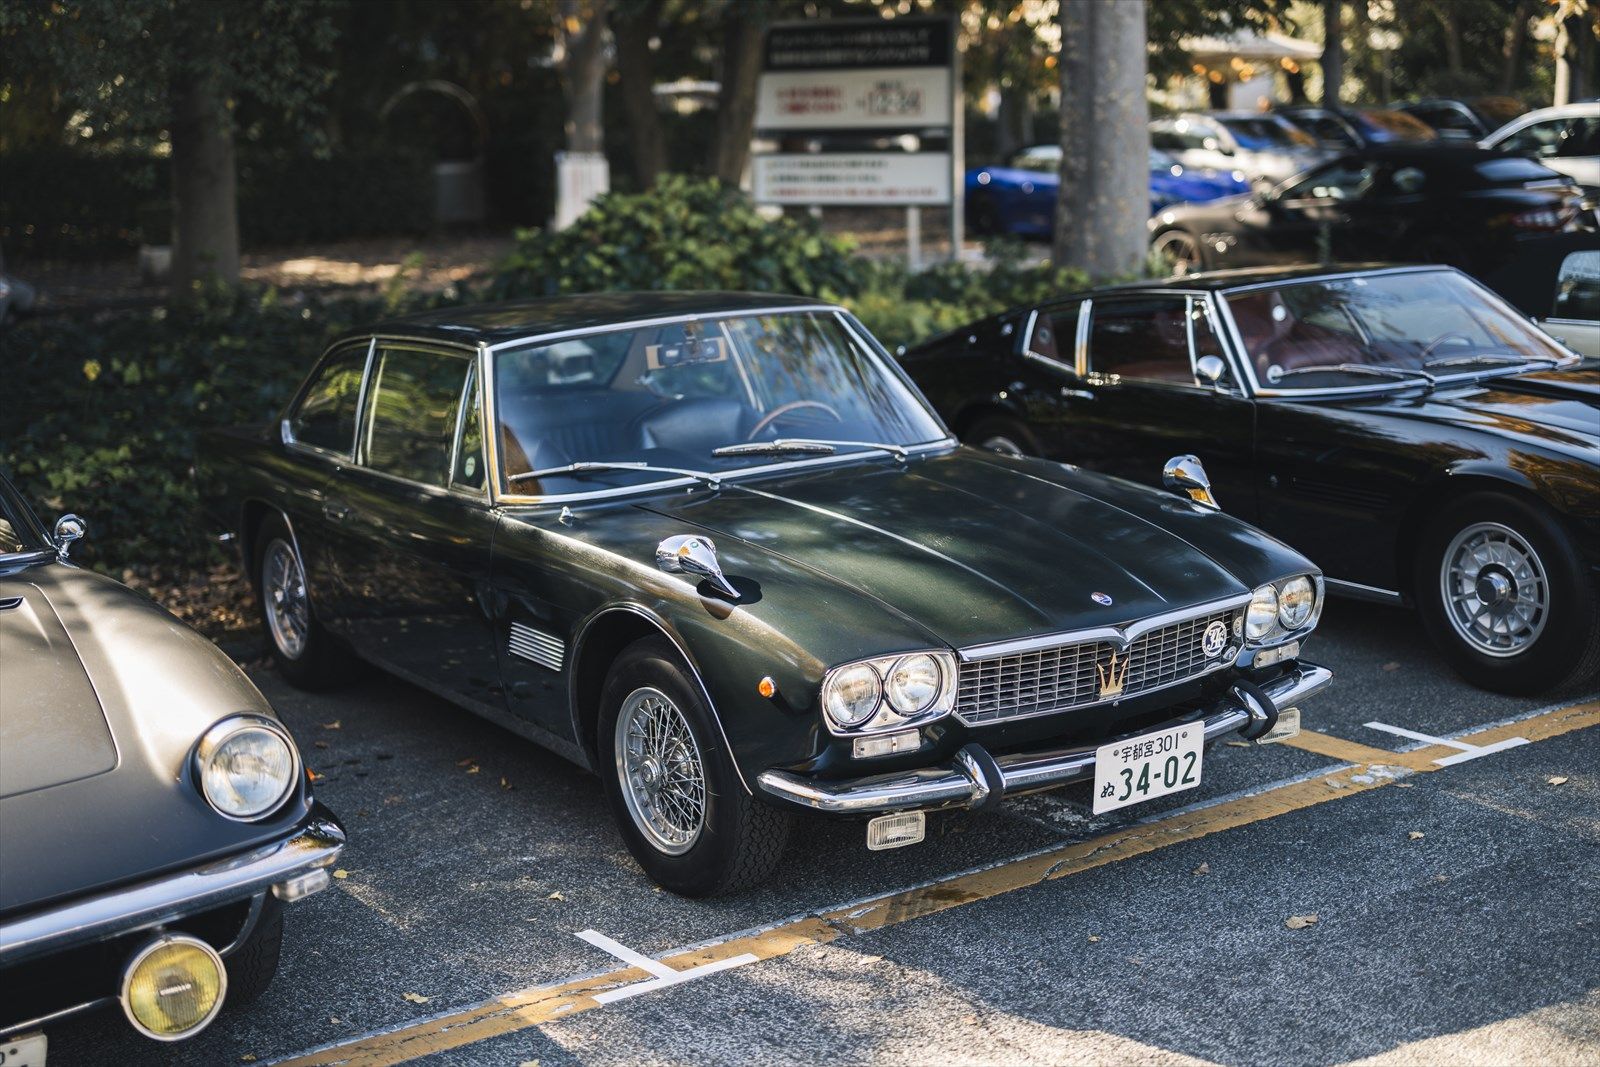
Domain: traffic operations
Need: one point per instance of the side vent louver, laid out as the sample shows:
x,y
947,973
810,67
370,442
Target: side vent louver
x,y
536,646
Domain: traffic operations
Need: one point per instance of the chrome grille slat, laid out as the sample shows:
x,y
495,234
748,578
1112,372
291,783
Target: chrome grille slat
x,y
1063,677
544,649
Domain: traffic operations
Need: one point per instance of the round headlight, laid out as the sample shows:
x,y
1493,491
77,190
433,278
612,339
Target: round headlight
x,y
247,767
1262,615
913,683
851,694
1295,601
173,987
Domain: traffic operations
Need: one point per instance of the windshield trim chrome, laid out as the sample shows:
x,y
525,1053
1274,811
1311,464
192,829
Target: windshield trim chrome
x,y
661,320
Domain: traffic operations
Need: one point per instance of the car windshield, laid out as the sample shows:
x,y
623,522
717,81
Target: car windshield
x,y
20,532
1378,329
672,398
1266,133
1386,125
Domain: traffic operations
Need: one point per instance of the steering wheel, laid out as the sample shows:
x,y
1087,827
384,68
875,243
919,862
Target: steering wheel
x,y
1441,339
784,409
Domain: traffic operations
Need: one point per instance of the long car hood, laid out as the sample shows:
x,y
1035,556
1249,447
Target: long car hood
x,y
52,727
973,548
1558,409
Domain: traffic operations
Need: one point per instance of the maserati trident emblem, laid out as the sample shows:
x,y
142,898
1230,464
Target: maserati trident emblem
x,y
1112,675
1103,599
1214,639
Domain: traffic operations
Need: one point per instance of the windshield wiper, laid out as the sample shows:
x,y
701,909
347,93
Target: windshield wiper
x,y
1490,358
604,465
805,444
1398,373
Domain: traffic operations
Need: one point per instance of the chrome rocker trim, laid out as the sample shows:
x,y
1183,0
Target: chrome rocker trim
x,y
315,844
965,783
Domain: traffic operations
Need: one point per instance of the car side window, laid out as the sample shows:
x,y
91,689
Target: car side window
x,y
1144,338
1343,180
1578,288
413,400
1582,139
1536,139
469,472
325,418
1055,334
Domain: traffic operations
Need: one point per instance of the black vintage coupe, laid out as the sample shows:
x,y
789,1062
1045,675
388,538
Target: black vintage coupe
x,y
154,817
717,548
1404,427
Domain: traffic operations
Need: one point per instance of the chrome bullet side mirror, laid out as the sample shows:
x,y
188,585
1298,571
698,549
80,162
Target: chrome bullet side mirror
x,y
1210,369
1187,475
69,528
693,554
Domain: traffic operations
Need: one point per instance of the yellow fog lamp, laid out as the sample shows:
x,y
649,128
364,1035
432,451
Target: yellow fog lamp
x,y
173,987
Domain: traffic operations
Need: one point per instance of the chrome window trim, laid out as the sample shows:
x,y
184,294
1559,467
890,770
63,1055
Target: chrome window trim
x,y
1080,343
468,358
499,496
285,428
1188,297
1027,334
1225,333
1122,635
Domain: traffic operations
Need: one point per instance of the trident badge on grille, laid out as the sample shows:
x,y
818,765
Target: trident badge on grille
x,y
1112,676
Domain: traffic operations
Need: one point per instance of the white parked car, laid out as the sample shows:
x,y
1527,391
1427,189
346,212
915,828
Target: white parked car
x,y
1566,139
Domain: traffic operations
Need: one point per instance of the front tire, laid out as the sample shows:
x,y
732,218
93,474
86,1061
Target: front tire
x,y
305,653
671,782
253,965
996,433
1505,596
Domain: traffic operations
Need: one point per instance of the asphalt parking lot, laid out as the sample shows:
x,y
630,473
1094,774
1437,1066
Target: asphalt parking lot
x,y
1455,906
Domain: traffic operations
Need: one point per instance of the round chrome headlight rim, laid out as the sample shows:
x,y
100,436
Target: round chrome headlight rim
x,y
1261,614
913,708
1300,591
145,951
225,730
831,686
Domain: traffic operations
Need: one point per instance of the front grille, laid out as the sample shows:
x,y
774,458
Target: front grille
x,y
1075,674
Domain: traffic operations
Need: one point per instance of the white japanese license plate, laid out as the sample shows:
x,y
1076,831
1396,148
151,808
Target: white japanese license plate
x,y
24,1051
1148,766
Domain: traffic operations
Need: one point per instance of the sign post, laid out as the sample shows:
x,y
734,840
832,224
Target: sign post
x,y
861,112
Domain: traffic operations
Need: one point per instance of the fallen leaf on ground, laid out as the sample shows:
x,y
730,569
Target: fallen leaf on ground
x,y
1204,868
341,873
506,785
1300,922
557,895
1416,835
469,761
334,1019
1334,783
415,998
1404,785
320,744
474,769
1559,779
317,776
1094,937
334,725
528,1063
1391,666
247,1058
1237,744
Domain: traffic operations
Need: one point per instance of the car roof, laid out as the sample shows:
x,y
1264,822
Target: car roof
x,y
492,324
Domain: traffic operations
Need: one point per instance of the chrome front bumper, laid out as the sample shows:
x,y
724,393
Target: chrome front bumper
x,y
315,845
976,779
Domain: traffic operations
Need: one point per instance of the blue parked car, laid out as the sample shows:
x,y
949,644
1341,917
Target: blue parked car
x,y
1021,199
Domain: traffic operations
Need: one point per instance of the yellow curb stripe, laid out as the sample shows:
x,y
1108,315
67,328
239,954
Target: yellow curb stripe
x,y
1351,752
534,1007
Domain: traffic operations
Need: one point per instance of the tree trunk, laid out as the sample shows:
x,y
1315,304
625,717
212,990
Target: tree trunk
x,y
205,208
736,101
1451,24
1105,138
637,66
1511,52
1332,53
583,32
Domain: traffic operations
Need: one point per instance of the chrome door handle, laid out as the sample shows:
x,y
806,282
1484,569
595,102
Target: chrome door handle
x,y
335,512
1077,394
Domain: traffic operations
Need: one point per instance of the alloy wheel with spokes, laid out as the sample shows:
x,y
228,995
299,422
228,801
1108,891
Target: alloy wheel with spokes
x,y
1495,589
661,771
1179,253
283,596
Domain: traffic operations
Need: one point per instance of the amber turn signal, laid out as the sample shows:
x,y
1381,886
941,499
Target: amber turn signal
x,y
767,687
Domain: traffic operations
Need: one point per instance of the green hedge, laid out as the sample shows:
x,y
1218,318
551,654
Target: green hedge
x,y
63,204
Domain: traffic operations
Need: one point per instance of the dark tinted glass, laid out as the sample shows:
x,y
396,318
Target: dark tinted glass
x,y
411,422
469,473
326,417
1578,288
1055,334
1145,338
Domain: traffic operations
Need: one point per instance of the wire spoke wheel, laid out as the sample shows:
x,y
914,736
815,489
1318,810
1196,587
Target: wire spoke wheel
x,y
283,596
660,769
1495,588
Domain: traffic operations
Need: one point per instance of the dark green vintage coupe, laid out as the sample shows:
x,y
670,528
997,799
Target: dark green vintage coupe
x,y
717,548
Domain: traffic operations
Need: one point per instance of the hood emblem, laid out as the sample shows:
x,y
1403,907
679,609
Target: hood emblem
x,y
1103,599
1214,639
696,555
1112,675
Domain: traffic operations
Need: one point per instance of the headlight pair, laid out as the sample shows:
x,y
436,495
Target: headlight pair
x,y
1282,608
247,766
889,691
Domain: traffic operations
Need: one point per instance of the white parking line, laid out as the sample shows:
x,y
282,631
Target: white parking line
x,y
1467,751
664,975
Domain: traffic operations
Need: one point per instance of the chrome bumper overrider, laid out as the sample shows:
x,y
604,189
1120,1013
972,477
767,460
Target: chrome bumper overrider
x,y
976,779
316,844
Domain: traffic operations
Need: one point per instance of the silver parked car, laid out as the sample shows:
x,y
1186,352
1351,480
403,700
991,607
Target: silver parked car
x,y
1565,139
154,813
1266,148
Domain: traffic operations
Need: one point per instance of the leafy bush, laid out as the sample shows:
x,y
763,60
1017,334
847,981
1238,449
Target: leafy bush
x,y
64,204
682,234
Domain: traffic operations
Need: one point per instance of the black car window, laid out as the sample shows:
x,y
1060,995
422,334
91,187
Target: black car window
x,y
1055,334
412,404
1446,118
1536,138
1344,179
1144,338
1582,139
326,415
469,472
1578,288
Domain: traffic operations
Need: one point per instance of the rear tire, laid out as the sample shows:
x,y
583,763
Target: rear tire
x,y
305,653
996,433
254,964
1505,595
676,796
1179,252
